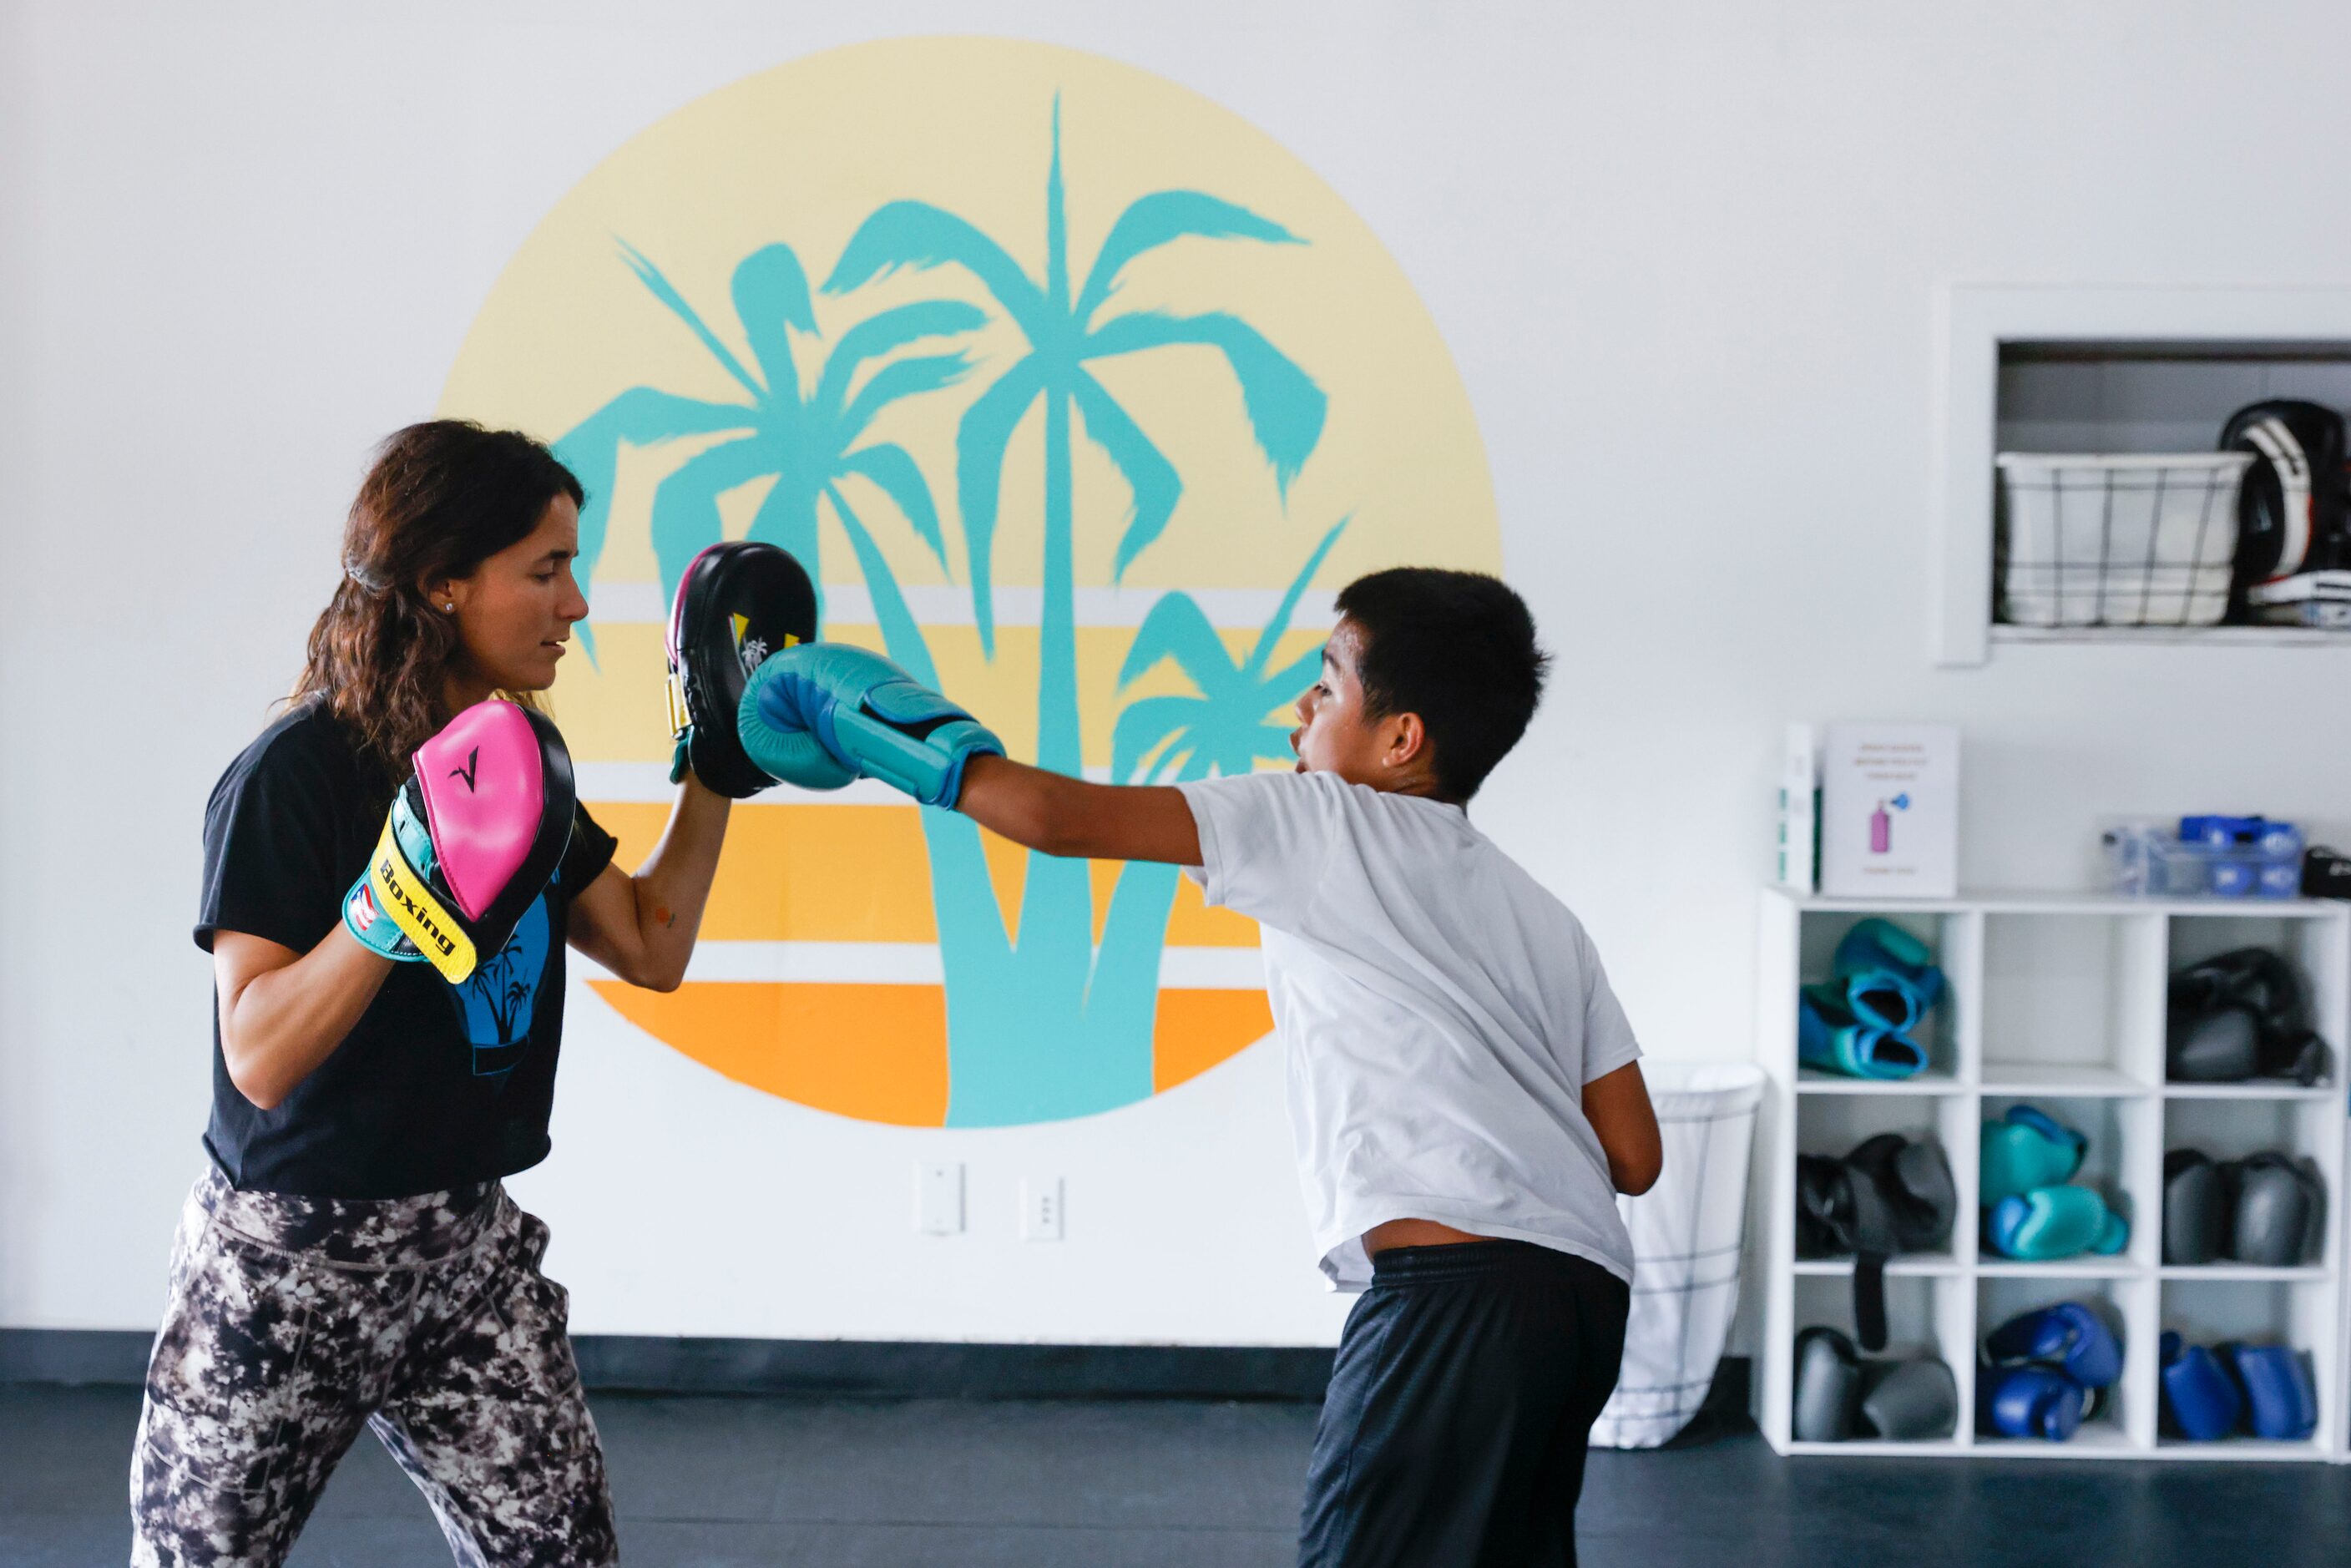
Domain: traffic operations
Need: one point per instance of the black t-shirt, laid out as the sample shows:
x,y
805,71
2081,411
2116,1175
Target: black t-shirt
x,y
436,1086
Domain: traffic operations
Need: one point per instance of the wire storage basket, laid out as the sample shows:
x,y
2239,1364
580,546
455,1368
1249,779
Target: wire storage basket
x,y
2137,539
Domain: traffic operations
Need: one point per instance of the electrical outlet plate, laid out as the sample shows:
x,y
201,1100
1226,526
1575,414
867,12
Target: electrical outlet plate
x,y
938,1198
1040,1208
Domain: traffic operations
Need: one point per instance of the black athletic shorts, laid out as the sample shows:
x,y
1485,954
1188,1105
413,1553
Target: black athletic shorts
x,y
1468,1380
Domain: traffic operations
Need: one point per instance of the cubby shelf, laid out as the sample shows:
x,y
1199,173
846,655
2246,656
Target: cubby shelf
x,y
2324,1093
2097,1439
2057,1000
1884,1450
1812,1082
2265,1449
2054,1081
1923,1264
2064,1269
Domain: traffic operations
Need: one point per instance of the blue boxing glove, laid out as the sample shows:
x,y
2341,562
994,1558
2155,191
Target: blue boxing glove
x,y
822,714
2281,1401
2070,1337
2198,1394
2032,1402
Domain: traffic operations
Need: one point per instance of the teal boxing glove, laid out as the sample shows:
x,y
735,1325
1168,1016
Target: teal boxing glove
x,y
1829,1037
1888,975
825,712
2054,1222
787,749
2026,1149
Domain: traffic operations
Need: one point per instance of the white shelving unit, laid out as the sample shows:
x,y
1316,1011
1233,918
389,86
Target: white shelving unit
x,y
2058,1001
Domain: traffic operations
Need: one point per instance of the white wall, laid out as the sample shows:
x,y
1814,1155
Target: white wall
x,y
1685,255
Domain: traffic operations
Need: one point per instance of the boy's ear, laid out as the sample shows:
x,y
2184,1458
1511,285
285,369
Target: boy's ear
x,y
1407,739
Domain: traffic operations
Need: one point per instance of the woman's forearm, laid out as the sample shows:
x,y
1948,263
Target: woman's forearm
x,y
672,886
282,1014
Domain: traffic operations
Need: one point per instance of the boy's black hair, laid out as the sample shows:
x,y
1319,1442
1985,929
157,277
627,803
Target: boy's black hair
x,y
1459,649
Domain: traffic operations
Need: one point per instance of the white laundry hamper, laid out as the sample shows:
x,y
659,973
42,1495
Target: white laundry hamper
x,y
1688,1232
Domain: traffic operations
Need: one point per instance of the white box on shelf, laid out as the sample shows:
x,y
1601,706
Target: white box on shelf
x,y
1799,809
1890,811
2320,599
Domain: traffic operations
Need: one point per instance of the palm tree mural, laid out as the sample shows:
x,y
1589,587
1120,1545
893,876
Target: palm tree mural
x,y
806,441
1039,1025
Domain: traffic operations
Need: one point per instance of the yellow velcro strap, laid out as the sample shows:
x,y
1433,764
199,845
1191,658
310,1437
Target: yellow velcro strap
x,y
402,895
674,690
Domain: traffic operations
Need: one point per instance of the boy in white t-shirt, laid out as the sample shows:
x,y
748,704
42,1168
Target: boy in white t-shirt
x,y
1465,1093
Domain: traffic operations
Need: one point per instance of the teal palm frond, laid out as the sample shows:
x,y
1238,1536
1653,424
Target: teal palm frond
x,y
771,293
642,416
802,441
1145,725
891,469
909,377
1288,607
980,443
1284,405
1222,730
666,292
1151,480
685,504
918,235
1152,221
897,327
1224,726
1179,629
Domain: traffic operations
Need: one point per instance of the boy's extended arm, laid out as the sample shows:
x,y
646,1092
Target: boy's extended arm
x,y
1617,1106
1065,816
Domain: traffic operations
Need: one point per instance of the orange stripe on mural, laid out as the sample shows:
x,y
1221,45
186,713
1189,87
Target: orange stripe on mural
x,y
1197,1030
861,874
876,1052
879,1053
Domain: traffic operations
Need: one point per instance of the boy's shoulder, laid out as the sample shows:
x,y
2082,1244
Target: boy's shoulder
x,y
1318,802
1296,785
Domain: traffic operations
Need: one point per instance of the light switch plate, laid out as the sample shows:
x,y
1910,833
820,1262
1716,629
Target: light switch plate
x,y
938,1198
1040,1208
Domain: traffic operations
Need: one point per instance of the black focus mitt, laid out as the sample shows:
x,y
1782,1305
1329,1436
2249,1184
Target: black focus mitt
x,y
738,603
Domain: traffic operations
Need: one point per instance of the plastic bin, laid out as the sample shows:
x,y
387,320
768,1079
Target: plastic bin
x,y
2151,861
1688,1233
2141,540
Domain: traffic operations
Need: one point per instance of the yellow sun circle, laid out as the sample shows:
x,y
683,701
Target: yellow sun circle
x,y
1270,357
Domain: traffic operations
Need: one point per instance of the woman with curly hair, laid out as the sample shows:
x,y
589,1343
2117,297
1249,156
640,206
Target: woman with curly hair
x,y
350,1258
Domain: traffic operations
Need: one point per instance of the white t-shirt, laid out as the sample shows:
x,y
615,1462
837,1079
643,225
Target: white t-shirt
x,y
1440,1011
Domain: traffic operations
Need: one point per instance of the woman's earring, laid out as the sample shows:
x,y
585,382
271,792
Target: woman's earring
x,y
451,607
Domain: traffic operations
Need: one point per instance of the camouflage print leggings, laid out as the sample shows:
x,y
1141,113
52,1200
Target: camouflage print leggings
x,y
293,1321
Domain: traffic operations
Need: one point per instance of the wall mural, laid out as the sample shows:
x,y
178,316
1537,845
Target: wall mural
x,y
1078,396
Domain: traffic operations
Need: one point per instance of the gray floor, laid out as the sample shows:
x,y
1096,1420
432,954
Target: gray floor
x,y
728,1482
